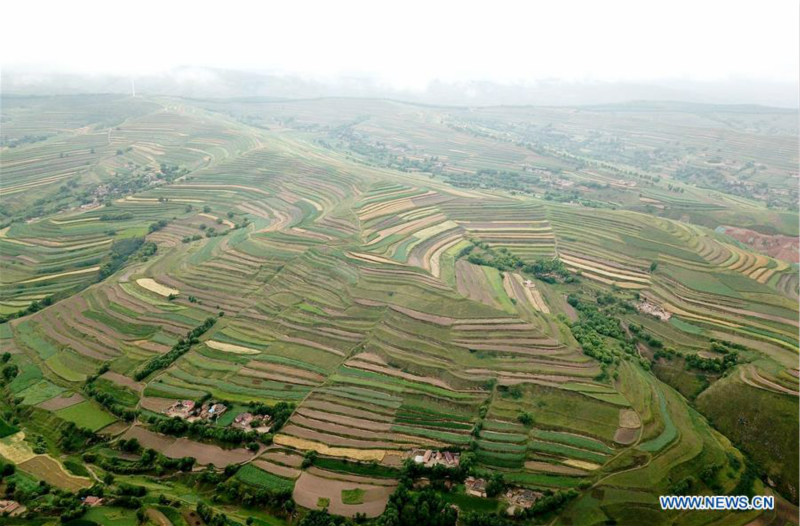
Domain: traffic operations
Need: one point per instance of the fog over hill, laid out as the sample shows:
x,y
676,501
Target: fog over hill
x,y
203,82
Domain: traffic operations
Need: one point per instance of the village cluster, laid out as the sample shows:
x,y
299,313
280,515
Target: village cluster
x,y
517,498
211,411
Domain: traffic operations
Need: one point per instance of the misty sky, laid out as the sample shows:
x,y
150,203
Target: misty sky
x,y
407,44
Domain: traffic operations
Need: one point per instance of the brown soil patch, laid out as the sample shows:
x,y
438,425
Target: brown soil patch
x,y
310,488
782,247
157,517
51,471
356,423
60,402
629,418
114,429
277,469
155,404
546,467
280,457
331,407
149,439
625,435
124,381
471,282
207,453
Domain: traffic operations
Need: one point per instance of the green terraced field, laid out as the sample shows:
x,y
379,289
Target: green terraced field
x,y
581,343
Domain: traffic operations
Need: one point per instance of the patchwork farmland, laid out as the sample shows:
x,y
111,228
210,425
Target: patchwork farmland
x,y
307,272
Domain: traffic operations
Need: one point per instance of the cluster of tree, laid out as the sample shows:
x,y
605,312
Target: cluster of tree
x,y
158,225
13,142
408,507
278,413
8,372
514,182
179,349
723,347
644,336
501,259
109,402
323,518
278,501
170,172
549,271
149,461
206,431
122,250
116,216
591,329
6,470
128,496
213,518
48,501
34,306
72,438
712,365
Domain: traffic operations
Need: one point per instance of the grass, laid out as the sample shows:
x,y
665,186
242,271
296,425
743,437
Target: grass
x,y
470,503
86,414
40,392
76,467
353,496
356,468
573,440
667,435
567,451
108,516
7,429
121,395
250,474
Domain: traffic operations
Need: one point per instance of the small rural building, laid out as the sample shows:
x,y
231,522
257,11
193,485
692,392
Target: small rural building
x,y
92,501
9,507
475,487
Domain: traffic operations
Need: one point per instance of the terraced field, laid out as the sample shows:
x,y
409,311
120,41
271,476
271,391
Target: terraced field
x,y
341,286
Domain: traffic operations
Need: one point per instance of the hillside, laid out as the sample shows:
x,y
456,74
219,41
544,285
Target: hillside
x,y
546,291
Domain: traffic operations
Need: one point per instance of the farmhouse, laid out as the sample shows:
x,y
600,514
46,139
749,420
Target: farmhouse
x,y
212,410
181,409
243,420
475,487
520,498
93,501
248,421
11,507
430,458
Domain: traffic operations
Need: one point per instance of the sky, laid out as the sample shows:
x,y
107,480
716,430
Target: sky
x,y
407,44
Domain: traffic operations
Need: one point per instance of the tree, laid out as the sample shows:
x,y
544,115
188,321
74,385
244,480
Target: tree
x,y
496,485
525,418
653,266
309,458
